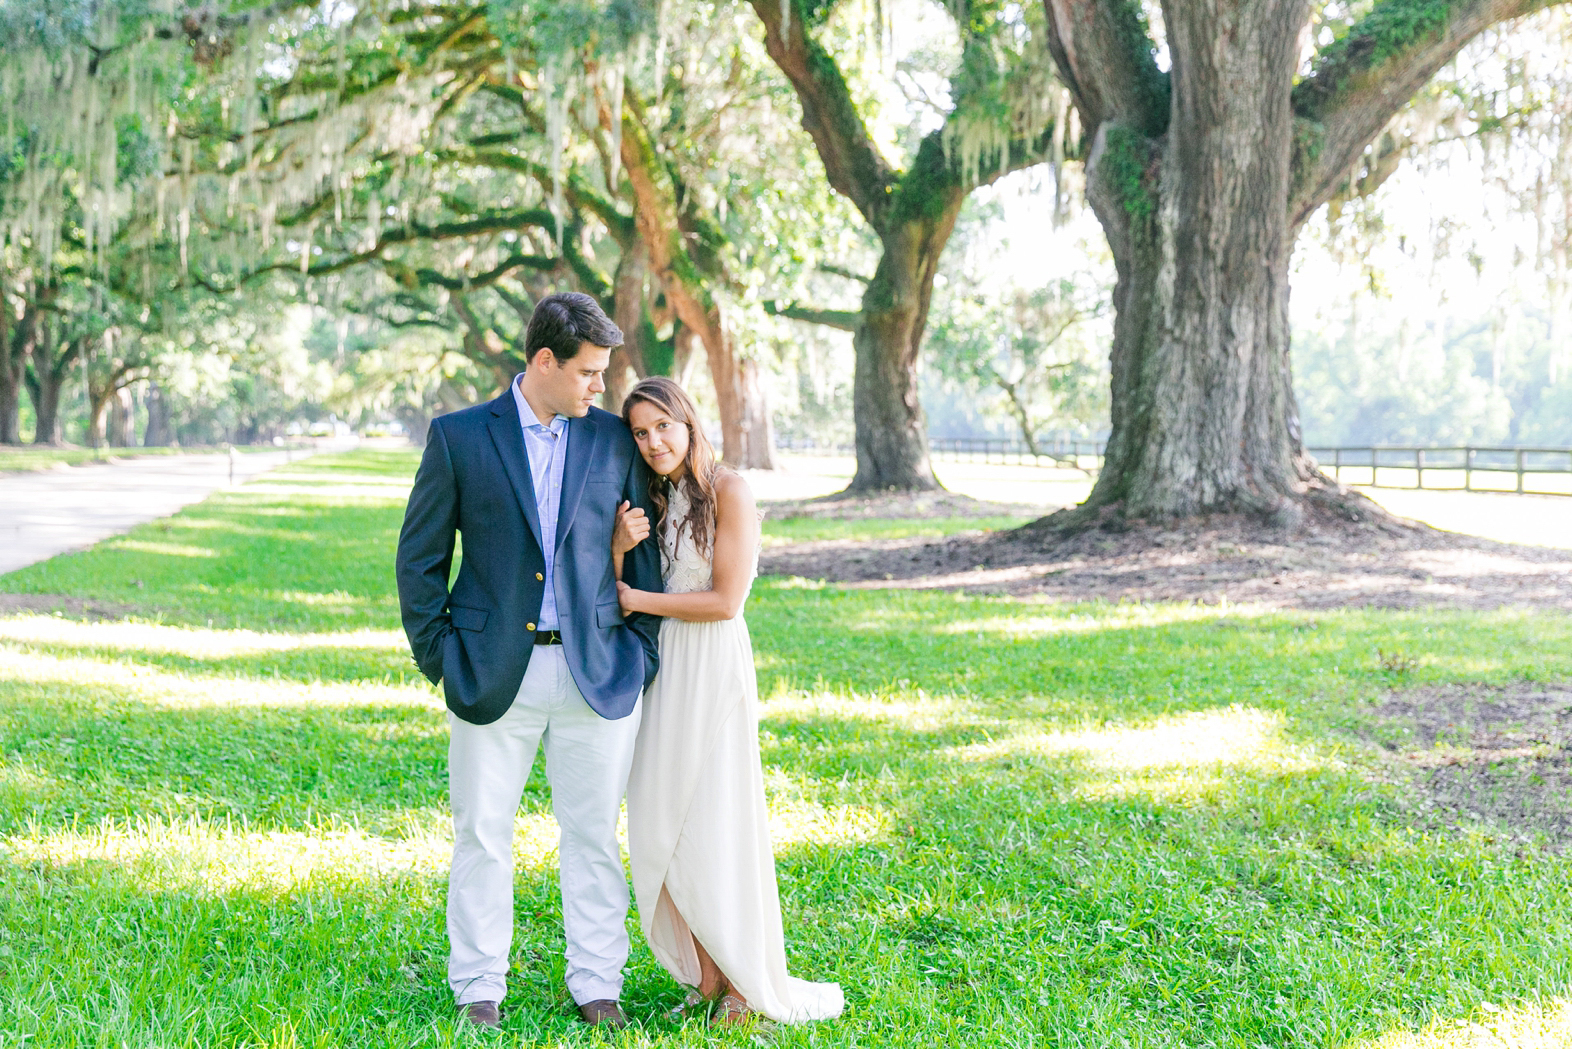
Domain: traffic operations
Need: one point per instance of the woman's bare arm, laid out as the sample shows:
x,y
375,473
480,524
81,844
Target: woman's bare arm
x,y
736,540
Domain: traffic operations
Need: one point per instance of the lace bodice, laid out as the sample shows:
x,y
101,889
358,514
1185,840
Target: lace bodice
x,y
682,566
684,569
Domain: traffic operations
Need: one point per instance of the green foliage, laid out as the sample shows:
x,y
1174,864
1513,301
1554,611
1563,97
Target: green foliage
x,y
1387,30
927,190
1464,379
814,12
1123,168
138,154
1100,824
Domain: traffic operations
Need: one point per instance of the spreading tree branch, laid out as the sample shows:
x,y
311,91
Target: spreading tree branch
x,y
413,232
840,271
855,167
574,189
1362,80
841,320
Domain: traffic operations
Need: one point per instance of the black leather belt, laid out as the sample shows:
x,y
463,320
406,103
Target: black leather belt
x,y
548,637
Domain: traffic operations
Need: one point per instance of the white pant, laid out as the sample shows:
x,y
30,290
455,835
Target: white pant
x,y
587,760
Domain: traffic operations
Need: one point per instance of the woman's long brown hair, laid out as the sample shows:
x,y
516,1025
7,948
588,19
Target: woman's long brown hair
x,y
699,467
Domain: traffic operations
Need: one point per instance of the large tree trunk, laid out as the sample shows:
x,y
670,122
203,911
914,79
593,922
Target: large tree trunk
x,y
892,433
1196,215
1204,415
45,382
98,417
1203,412
627,361
696,299
1201,178
44,391
913,212
12,370
122,419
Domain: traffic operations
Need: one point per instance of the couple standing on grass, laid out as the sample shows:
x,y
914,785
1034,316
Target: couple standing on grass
x,y
554,630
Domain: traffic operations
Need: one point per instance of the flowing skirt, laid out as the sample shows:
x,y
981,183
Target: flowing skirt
x,y
698,830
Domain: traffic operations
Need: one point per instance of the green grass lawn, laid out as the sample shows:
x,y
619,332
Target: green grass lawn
x,y
29,459
998,823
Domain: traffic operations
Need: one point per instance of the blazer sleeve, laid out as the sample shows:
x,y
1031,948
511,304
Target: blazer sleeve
x,y
425,554
641,567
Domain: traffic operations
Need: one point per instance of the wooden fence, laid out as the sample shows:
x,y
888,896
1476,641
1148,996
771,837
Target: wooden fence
x,y
1065,453
1525,471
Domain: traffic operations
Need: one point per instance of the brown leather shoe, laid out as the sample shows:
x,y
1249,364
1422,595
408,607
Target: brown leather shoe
x,y
604,1012
480,1014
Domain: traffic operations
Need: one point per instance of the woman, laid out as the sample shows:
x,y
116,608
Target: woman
x,y
698,833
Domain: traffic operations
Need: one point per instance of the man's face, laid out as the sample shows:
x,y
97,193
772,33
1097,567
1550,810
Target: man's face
x,y
569,387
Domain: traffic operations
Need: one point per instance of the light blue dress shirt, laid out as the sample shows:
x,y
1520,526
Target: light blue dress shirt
x,y
547,447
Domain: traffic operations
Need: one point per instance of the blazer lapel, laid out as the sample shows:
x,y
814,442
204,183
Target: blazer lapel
x,y
581,453
508,436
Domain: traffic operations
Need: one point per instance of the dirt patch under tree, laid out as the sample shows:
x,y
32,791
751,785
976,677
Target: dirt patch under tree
x,y
1327,561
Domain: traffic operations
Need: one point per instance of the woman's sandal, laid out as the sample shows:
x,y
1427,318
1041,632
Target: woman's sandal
x,y
693,998
730,1011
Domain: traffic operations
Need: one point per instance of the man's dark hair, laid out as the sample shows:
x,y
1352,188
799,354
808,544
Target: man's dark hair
x,y
563,322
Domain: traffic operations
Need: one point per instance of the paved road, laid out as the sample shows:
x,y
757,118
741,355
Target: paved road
x,y
47,513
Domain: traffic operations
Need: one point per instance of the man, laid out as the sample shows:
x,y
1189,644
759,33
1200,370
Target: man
x,y
531,645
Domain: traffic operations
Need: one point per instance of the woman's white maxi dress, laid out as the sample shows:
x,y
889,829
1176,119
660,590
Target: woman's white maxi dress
x,y
698,830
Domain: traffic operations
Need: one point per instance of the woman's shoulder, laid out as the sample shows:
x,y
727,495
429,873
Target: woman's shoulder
x,y
732,490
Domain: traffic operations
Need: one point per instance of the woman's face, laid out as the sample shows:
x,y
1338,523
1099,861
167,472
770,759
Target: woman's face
x,y
662,440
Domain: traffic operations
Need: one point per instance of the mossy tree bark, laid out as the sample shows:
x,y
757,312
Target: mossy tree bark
x,y
912,213
892,434
1201,179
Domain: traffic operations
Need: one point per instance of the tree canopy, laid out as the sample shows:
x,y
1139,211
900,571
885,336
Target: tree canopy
x,y
385,189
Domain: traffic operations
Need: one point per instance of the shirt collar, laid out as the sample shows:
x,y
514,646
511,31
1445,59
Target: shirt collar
x,y
527,417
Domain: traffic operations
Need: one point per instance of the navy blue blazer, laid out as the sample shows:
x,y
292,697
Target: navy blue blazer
x,y
477,639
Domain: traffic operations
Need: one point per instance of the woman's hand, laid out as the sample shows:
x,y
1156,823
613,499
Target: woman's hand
x,y
633,527
628,597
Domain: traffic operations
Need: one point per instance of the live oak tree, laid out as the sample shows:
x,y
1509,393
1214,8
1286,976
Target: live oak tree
x,y
85,91
1201,176
547,156
434,144
1002,120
